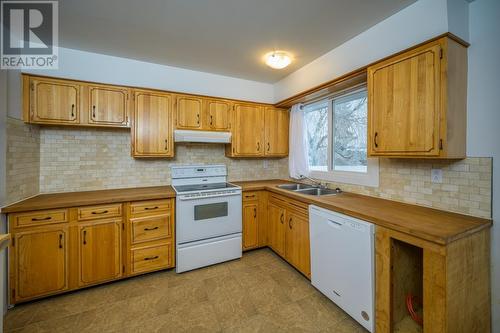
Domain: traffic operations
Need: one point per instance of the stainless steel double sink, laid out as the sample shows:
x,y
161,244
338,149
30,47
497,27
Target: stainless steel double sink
x,y
309,189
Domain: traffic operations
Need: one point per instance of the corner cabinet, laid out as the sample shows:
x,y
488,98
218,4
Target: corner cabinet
x,y
417,102
152,134
258,131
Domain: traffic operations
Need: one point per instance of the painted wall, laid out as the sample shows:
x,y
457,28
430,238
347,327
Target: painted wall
x,y
484,115
75,64
414,24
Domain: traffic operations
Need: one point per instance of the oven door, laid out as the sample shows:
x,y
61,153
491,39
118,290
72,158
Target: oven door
x,y
203,218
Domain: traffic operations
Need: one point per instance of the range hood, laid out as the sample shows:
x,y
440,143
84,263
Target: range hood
x,y
202,136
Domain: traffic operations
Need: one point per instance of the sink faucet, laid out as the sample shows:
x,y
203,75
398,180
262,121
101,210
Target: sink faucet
x,y
314,181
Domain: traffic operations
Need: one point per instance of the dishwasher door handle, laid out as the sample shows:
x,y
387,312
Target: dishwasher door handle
x,y
335,224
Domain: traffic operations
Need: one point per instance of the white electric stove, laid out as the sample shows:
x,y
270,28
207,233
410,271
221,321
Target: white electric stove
x,y
208,216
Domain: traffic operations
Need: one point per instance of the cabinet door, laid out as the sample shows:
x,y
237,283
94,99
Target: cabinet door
x,y
249,121
188,112
250,225
54,102
40,265
108,106
99,251
297,244
276,228
218,115
404,104
276,128
152,130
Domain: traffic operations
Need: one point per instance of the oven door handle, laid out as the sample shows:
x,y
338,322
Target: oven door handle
x,y
208,197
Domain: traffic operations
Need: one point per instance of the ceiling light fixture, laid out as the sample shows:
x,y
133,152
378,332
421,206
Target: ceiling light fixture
x,y
278,59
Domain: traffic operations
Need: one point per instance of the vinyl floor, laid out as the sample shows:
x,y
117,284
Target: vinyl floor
x,y
258,293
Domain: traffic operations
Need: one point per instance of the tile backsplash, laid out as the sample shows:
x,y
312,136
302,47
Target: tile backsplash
x,y
88,159
23,160
466,185
59,159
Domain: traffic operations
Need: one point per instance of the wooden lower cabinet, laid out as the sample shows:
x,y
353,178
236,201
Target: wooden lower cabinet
x,y
38,263
150,236
99,251
254,220
276,227
63,249
288,231
297,244
453,281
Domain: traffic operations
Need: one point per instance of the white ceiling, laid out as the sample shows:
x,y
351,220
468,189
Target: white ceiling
x,y
227,37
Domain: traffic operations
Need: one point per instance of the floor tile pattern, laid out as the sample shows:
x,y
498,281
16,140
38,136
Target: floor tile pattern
x,y
258,293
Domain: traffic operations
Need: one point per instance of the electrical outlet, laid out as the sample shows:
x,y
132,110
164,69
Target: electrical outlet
x,y
265,164
437,175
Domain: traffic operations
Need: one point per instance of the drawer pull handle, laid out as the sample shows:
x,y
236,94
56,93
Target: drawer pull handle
x,y
42,218
250,196
151,208
60,241
151,258
149,229
102,212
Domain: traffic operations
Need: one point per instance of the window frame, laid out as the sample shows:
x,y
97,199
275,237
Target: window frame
x,y
370,177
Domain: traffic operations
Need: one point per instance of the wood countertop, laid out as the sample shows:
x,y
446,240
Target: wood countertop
x,y
430,224
73,199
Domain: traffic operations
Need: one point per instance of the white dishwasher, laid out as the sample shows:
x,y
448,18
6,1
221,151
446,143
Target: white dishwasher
x,y
342,262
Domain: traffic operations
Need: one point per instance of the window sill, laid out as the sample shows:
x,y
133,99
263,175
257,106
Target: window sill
x,y
370,178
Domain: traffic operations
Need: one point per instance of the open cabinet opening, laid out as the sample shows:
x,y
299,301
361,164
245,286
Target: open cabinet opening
x,y
407,287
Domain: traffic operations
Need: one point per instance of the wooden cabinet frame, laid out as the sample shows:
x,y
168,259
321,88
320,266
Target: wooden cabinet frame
x,y
445,96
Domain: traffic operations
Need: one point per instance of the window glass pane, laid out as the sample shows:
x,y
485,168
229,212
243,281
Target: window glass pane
x,y
349,128
316,117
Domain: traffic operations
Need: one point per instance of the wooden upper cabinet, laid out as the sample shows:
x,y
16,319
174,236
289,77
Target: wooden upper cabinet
x,y
276,131
417,102
248,130
108,106
188,112
152,134
39,263
99,251
218,115
52,101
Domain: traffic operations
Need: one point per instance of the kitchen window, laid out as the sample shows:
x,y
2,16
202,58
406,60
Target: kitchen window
x,y
337,138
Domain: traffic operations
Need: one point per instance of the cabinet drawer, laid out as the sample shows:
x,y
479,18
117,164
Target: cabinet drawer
x,y
41,217
150,206
99,212
151,258
151,228
250,195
